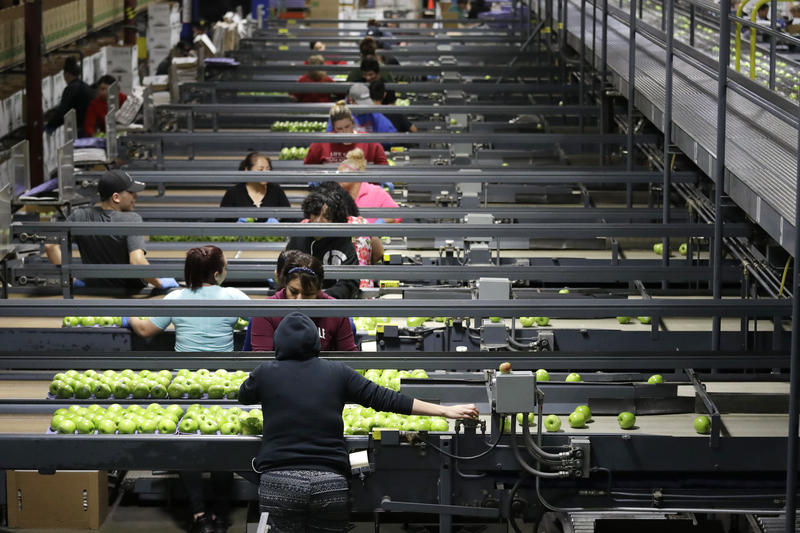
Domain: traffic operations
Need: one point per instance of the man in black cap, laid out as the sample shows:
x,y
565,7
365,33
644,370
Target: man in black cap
x,y
118,192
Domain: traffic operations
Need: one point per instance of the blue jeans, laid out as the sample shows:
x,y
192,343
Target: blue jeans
x,y
301,501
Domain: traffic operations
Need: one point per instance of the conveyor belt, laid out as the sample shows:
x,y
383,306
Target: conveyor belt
x,y
761,148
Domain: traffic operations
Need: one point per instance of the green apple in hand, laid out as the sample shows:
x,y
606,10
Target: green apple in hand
x,y
702,424
577,420
552,423
655,378
626,420
542,375
573,377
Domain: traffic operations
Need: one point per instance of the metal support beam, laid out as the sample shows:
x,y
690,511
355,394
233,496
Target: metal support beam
x,y
719,162
33,88
669,23
631,93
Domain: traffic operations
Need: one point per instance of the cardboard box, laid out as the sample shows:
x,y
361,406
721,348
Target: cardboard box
x,y
88,70
4,121
63,21
100,63
18,109
162,37
65,500
122,59
12,35
161,13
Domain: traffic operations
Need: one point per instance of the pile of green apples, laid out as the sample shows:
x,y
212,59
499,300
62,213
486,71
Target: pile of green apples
x,y
528,321
298,126
658,248
390,377
362,420
91,321
293,153
217,385
627,319
216,420
116,419
120,385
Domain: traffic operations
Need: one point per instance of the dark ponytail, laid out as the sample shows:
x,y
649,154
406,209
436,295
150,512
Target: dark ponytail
x,y
201,265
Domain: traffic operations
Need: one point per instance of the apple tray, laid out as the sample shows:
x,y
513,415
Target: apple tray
x,y
96,432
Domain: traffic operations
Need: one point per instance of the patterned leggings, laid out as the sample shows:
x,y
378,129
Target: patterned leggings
x,y
300,501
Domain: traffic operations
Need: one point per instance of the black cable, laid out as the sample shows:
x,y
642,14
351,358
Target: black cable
x,y
534,448
511,495
528,468
469,458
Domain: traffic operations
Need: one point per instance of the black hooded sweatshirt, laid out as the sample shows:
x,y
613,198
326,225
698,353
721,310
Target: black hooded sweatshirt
x,y
302,397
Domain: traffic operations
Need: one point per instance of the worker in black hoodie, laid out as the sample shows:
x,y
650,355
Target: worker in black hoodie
x,y
303,460
319,207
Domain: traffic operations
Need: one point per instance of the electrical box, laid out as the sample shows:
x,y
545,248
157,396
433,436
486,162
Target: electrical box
x,y
514,392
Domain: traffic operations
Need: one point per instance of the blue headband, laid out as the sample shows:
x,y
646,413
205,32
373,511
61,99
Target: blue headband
x,y
304,270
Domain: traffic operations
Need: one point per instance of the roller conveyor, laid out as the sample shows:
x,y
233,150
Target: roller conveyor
x,y
761,150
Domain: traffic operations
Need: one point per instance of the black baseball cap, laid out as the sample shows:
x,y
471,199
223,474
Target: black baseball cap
x,y
117,181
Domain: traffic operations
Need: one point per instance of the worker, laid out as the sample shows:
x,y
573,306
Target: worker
x,y
342,121
380,96
365,194
204,270
98,108
368,249
260,194
182,49
118,193
368,71
77,95
304,466
322,208
370,47
301,278
366,122
313,76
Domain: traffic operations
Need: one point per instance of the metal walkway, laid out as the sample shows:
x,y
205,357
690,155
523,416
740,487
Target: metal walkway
x,y
761,149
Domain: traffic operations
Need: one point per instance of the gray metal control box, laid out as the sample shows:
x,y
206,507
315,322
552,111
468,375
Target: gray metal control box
x,y
514,392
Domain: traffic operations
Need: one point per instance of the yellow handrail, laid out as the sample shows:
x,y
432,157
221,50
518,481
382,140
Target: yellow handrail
x,y
739,12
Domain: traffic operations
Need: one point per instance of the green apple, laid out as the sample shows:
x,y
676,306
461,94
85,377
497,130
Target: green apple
x,y
216,391
655,378
54,385
71,321
495,319
531,419
84,425
526,321
158,391
585,411
88,321
623,319
573,377
55,422
189,425
702,424
208,427
563,291
541,320
626,420
683,249
229,428
141,390
176,390
439,424
107,426
576,419
149,425
118,321
126,426
542,375
644,319
64,391
128,373
415,321
232,391
114,408
166,426
658,248
83,391
552,423
105,321
67,426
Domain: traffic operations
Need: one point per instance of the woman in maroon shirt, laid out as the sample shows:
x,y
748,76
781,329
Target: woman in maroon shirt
x,y
301,277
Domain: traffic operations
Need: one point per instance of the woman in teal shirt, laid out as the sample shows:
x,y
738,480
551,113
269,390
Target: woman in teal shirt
x,y
204,270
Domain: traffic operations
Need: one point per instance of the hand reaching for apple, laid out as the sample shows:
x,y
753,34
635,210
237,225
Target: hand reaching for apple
x,y
467,410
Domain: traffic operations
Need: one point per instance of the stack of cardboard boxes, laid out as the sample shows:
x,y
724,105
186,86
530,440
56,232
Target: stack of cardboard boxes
x,y
163,31
123,64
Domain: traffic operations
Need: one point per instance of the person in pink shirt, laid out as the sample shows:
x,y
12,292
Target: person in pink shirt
x,y
365,194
